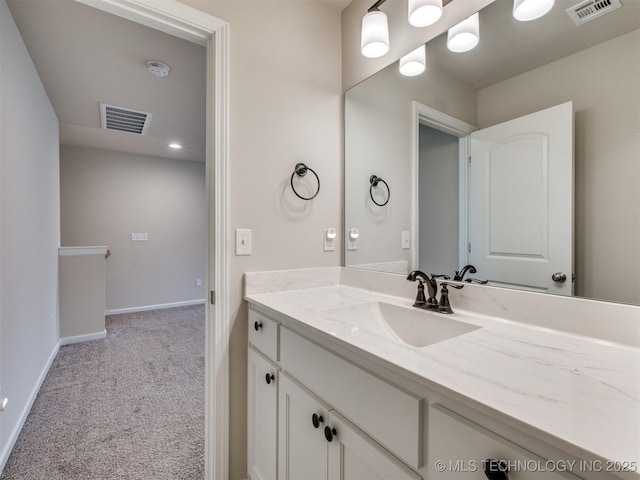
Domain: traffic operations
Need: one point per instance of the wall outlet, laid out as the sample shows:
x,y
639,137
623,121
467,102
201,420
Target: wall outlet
x,y
198,282
329,236
139,237
243,241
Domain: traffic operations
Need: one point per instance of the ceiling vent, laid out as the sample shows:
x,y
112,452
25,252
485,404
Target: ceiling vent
x,y
124,119
591,9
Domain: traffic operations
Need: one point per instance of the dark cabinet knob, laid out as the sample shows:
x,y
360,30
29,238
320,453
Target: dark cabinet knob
x,y
316,420
257,325
329,433
496,469
269,377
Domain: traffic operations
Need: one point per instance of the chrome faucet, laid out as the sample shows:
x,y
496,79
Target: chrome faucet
x,y
430,303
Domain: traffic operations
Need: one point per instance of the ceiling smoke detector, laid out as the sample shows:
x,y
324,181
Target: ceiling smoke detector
x,y
159,69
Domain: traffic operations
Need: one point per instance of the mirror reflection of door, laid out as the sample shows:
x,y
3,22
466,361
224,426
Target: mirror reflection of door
x,y
521,201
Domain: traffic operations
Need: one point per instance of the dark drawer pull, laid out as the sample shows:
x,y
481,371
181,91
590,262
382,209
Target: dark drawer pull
x,y
257,325
316,420
269,378
329,433
496,469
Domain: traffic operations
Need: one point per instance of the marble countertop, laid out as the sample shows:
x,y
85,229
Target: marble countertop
x,y
582,392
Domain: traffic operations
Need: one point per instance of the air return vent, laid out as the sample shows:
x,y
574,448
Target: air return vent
x,y
591,9
124,119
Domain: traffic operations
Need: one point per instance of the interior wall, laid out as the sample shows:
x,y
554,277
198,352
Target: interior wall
x,y
602,82
106,196
285,108
29,231
438,201
378,117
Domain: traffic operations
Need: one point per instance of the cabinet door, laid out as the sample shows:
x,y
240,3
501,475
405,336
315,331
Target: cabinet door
x,y
302,447
354,456
262,419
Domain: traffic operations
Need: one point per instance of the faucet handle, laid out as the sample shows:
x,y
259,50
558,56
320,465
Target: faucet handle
x,y
444,306
446,277
475,280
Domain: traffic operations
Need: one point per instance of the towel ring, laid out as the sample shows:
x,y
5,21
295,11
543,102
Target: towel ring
x,y
374,180
301,170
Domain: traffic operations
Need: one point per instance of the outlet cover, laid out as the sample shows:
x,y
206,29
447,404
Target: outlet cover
x,y
139,237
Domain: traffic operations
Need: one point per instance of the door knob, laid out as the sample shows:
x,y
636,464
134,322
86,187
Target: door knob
x,y
559,277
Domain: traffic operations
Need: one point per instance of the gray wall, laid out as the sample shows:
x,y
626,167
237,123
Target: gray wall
x,y
603,83
285,107
29,230
106,196
438,201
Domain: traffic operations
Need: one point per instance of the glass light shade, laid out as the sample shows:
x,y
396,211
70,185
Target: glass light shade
x,y
465,35
375,34
526,10
414,63
423,13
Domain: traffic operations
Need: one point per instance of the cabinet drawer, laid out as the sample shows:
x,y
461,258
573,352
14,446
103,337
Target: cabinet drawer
x,y
388,414
263,334
458,448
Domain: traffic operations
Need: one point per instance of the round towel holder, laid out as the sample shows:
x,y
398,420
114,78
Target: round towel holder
x,y
374,180
301,170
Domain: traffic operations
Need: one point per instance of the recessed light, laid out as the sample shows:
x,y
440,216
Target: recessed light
x,y
175,145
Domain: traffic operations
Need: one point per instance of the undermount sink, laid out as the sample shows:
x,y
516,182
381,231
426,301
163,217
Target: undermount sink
x,y
411,325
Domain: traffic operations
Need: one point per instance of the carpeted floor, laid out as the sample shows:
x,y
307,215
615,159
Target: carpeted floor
x,y
130,406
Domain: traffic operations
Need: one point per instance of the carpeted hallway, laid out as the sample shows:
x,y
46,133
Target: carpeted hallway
x,y
130,406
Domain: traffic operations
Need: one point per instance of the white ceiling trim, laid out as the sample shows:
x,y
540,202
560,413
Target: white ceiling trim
x,y
169,17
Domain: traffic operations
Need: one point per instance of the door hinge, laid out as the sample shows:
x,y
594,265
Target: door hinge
x,y
469,159
212,297
469,247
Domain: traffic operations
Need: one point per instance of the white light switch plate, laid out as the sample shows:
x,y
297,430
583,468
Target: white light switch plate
x,y
243,241
139,237
406,239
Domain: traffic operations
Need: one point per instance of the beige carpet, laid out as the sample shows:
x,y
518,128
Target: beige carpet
x,y
130,406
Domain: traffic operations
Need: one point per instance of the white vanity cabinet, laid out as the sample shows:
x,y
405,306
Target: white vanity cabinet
x,y
262,401
316,442
328,413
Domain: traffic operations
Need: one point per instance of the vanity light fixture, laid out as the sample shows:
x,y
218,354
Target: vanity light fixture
x,y
423,13
465,35
526,10
415,62
375,32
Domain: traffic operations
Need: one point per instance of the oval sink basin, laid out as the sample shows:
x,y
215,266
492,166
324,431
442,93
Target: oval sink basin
x,y
410,325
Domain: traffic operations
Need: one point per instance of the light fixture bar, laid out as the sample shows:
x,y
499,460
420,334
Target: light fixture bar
x,y
376,6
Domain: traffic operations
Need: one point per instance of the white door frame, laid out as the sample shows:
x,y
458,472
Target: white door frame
x,y
430,117
196,26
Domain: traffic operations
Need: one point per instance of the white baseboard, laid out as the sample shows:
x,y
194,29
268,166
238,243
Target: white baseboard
x,y
27,408
83,338
160,306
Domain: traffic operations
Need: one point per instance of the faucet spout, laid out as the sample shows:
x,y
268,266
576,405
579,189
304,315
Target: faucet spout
x,y
432,289
460,275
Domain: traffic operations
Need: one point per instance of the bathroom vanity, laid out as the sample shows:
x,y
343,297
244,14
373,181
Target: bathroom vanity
x,y
348,380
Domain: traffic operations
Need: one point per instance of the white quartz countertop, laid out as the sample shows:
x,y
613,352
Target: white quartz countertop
x,y
582,393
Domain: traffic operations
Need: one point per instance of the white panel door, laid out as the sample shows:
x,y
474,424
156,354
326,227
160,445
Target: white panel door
x,y
521,201
302,447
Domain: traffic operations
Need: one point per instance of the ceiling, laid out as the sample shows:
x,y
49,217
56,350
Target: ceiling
x,y
85,56
508,47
